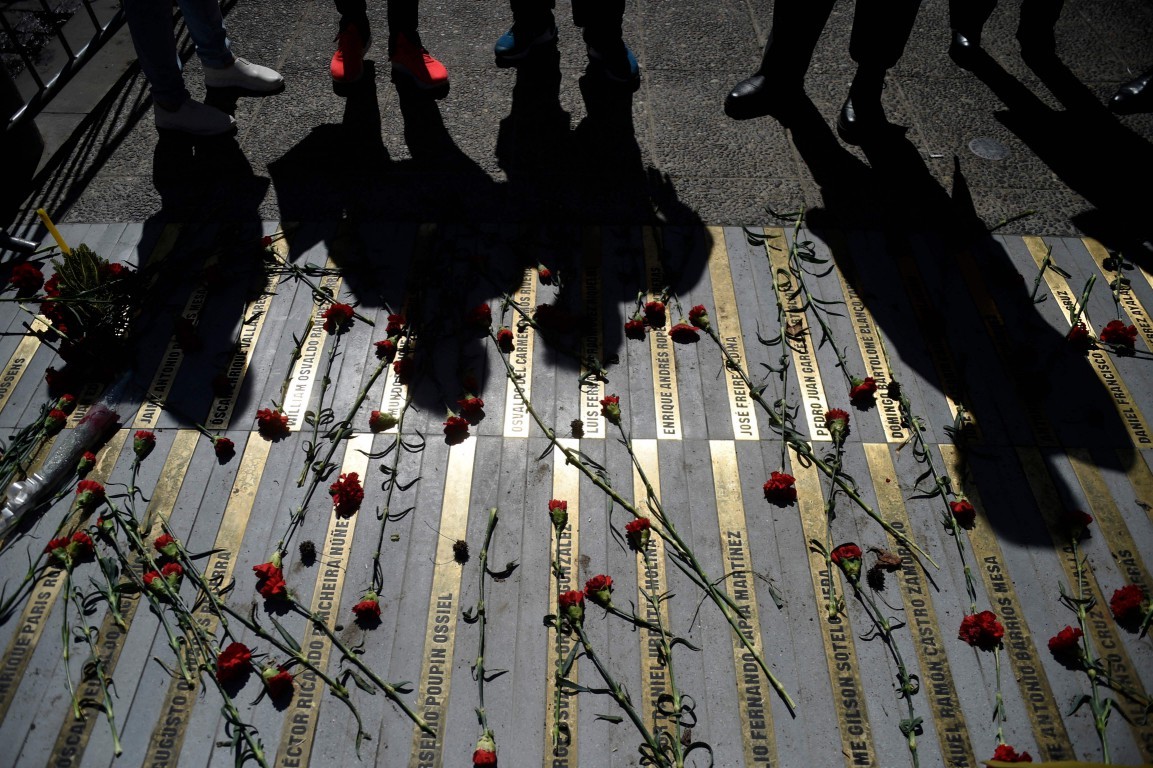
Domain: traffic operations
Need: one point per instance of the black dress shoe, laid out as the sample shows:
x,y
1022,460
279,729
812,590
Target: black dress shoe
x,y
857,124
756,97
1134,96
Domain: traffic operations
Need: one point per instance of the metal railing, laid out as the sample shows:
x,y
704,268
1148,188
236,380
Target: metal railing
x,y
47,86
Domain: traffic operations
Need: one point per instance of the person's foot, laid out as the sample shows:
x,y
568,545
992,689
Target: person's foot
x,y
245,75
617,62
347,63
411,58
194,118
859,122
756,96
520,40
1134,96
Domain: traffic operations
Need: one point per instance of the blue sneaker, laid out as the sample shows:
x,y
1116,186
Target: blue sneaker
x,y
518,42
618,63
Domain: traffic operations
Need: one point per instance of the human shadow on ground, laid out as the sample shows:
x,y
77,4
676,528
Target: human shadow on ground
x,y
914,276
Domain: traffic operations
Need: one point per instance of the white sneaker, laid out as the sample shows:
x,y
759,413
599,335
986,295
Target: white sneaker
x,y
244,74
195,118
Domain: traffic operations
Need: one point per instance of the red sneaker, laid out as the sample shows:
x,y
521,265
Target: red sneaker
x,y
416,62
348,62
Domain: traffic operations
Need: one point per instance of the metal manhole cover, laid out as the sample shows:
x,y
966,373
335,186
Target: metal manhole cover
x,y
989,149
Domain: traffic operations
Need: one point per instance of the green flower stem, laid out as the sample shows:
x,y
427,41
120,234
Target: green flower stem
x,y
297,351
622,698
354,659
66,645
318,294
558,574
908,686
377,569
830,508
232,715
667,655
683,557
1101,709
97,668
785,361
35,568
943,486
482,618
318,414
806,452
999,708
1041,274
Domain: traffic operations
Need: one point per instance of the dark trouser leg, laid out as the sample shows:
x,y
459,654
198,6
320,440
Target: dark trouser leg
x,y
797,25
533,14
402,17
600,20
881,29
1038,18
352,12
969,16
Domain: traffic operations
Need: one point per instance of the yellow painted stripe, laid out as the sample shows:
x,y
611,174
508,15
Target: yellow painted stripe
x,y
175,712
1137,471
44,592
921,615
516,418
666,396
592,342
727,323
566,487
73,737
1109,519
303,713
1102,628
1100,360
170,362
1134,309
752,690
652,579
814,403
836,633
307,368
1040,706
443,608
18,363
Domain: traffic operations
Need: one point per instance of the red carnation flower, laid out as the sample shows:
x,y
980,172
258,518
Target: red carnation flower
x,y
403,368
224,448
337,318
1007,754
1116,332
862,392
167,545
70,551
1079,338
455,430
982,630
837,422
368,609
471,408
699,317
683,333
26,278
963,513
779,488
480,317
655,314
638,532
1066,646
485,754
66,403
278,680
544,273
385,350
55,421
504,340
266,241
1128,603
89,494
635,329
52,287
347,494
396,324
599,589
848,557
232,662
558,511
87,462
142,444
572,605
272,425
381,421
611,409
1078,522
270,580
110,272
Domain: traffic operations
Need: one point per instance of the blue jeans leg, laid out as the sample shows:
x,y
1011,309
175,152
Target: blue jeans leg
x,y
206,27
150,23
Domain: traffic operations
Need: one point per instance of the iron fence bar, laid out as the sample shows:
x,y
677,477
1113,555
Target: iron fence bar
x,y
45,91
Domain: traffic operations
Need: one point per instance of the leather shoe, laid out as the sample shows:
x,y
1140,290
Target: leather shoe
x,y
856,124
756,97
1134,96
